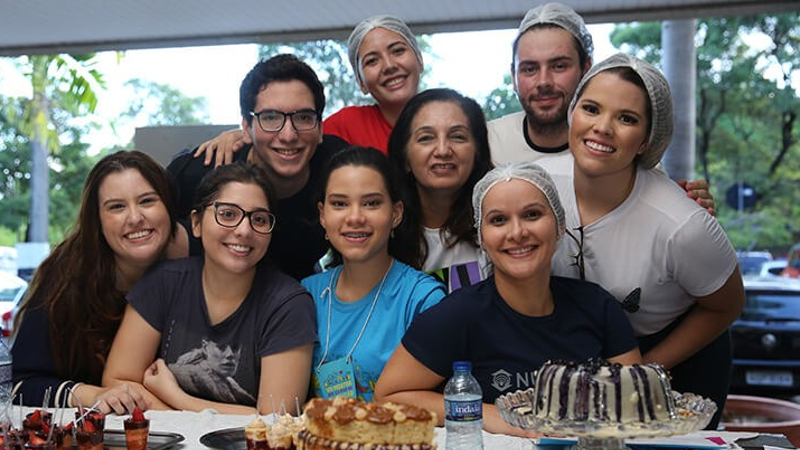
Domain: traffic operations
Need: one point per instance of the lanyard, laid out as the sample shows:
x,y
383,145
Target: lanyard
x,y
330,307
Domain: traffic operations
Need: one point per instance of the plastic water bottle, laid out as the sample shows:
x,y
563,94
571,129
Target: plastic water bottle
x,y
463,409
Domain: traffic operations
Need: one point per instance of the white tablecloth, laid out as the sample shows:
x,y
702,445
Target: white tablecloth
x,y
193,425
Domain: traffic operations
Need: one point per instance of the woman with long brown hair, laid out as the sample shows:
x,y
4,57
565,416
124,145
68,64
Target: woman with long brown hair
x,y
76,299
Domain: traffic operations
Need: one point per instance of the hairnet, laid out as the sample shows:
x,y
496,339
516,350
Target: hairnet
x,y
527,171
661,120
562,16
390,23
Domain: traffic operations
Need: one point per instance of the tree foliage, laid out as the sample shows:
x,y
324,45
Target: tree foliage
x,y
161,104
747,125
501,101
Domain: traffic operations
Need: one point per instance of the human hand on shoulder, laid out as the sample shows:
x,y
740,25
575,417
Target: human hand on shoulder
x,y
698,191
221,148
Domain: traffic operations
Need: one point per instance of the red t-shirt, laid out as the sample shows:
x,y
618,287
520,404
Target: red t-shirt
x,y
360,125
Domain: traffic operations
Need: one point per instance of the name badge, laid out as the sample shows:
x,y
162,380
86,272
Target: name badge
x,y
336,378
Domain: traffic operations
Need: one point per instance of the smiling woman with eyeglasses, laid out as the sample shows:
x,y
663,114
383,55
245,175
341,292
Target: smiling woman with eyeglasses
x,y
226,329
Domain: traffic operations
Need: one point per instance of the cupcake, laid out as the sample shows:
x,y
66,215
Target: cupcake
x,y
255,434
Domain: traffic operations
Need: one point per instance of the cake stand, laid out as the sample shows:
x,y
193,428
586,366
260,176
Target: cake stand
x,y
693,414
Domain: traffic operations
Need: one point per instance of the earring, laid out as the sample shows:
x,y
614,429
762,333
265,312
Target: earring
x,y
326,237
391,234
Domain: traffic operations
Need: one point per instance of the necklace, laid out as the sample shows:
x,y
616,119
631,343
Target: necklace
x,y
330,307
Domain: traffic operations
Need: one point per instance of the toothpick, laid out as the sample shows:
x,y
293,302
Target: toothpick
x,y
297,405
86,413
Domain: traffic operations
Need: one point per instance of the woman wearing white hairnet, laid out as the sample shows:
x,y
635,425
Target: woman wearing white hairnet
x,y
387,63
634,232
511,323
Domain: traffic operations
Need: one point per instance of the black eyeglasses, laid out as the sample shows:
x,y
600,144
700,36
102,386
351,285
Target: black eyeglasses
x,y
272,120
230,215
579,256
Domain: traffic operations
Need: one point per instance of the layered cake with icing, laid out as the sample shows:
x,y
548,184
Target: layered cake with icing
x,y
598,391
348,424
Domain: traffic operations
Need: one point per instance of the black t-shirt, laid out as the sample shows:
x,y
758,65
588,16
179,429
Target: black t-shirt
x,y
298,240
222,362
475,324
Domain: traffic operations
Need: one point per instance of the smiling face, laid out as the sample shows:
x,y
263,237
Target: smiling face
x,y
358,214
441,149
284,154
232,250
547,71
134,220
609,126
518,230
390,71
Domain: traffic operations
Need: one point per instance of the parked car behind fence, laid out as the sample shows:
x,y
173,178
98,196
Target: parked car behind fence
x,y
766,338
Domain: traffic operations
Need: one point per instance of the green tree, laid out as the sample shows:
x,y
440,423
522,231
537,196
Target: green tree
x,y
162,104
747,127
501,101
69,168
63,86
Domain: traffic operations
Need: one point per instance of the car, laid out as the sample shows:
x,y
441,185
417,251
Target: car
x,y
750,262
12,289
766,338
772,268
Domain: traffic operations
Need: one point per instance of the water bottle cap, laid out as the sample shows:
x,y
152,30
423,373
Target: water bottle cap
x,y
464,366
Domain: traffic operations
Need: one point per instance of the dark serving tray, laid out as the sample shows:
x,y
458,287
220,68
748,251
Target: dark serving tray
x,y
227,439
156,440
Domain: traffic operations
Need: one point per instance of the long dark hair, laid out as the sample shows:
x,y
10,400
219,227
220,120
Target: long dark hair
x,y
77,281
460,223
401,243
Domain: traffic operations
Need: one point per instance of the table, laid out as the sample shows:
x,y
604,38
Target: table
x,y
193,425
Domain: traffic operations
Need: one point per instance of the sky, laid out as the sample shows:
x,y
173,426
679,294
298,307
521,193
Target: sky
x,y
215,73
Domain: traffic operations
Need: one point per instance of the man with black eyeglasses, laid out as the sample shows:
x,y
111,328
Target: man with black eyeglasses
x,y
281,101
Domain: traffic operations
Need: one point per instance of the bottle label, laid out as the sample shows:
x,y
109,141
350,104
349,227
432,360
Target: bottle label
x,y
5,372
463,411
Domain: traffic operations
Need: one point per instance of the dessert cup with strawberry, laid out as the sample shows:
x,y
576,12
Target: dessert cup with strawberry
x,y
137,428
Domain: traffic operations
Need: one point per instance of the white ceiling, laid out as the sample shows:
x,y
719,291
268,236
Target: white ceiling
x,y
73,26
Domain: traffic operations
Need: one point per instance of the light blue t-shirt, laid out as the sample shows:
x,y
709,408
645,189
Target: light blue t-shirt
x,y
405,293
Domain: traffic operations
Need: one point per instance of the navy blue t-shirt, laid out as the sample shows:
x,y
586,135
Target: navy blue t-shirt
x,y
475,324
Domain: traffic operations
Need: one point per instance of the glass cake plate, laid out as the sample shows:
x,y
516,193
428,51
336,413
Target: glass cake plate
x,y
693,413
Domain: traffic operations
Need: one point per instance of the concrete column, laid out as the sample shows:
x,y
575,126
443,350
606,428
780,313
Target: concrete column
x,y
680,68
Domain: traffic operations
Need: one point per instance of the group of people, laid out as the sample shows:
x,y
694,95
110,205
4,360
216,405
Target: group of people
x,y
364,260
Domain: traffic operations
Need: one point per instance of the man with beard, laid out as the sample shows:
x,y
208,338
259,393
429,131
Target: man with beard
x,y
552,52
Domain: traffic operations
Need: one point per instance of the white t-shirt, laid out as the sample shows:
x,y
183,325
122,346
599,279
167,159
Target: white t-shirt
x,y
456,266
508,142
657,240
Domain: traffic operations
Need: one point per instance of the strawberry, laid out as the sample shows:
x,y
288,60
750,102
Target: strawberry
x,y
88,427
137,415
36,418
